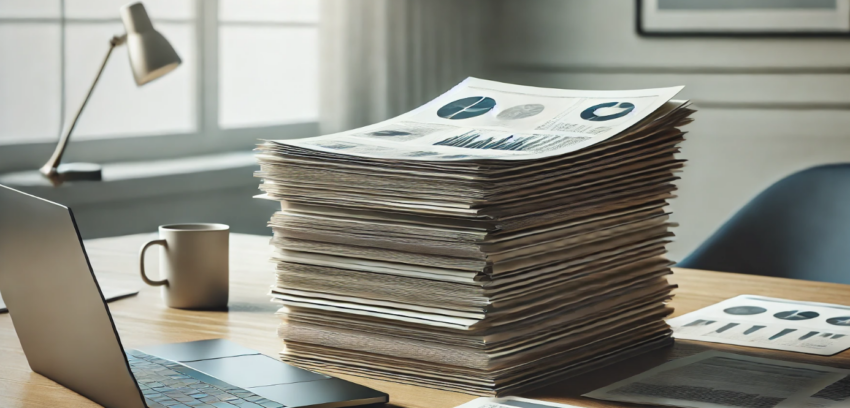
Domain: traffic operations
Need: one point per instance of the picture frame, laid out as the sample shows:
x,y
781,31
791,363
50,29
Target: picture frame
x,y
747,18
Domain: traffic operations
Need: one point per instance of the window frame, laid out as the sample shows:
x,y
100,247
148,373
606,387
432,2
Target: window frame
x,y
208,138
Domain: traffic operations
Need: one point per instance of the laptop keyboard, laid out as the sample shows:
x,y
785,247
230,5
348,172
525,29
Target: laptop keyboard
x,y
168,384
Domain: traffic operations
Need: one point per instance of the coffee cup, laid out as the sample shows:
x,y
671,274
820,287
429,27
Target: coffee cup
x,y
193,265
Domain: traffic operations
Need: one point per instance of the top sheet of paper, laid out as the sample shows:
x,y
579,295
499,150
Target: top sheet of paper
x,y
483,120
779,324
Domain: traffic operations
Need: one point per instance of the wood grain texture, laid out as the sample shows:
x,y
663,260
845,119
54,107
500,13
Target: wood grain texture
x,y
144,320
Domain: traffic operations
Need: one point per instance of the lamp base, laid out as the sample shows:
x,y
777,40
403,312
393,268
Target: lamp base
x,y
74,172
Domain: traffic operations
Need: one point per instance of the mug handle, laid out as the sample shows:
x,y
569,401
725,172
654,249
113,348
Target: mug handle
x,y
142,262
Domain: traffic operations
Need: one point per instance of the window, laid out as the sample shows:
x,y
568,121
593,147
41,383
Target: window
x,y
249,72
279,68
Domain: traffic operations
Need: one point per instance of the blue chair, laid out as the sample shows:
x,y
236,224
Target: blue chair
x,y
798,228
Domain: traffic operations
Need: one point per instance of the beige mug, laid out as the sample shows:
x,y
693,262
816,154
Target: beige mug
x,y
193,262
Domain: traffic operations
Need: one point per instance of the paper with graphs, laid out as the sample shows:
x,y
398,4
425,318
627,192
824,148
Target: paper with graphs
x,y
487,120
779,324
409,251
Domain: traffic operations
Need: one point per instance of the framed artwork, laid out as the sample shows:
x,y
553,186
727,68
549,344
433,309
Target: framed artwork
x,y
743,17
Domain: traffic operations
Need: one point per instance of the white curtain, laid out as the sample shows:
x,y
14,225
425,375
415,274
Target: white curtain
x,y
381,58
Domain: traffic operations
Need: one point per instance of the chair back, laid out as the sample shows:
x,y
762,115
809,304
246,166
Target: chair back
x,y
798,228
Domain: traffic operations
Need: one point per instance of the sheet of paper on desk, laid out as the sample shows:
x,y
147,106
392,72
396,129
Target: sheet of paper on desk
x,y
535,123
714,379
779,324
512,402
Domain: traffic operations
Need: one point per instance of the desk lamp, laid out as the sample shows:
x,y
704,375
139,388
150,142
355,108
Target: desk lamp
x,y
151,56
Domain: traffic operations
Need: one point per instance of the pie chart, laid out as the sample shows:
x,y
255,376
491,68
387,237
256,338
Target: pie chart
x,y
591,115
796,315
521,111
745,310
839,321
467,108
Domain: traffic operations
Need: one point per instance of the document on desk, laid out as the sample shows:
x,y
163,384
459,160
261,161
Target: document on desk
x,y
778,324
512,402
528,123
714,379
488,242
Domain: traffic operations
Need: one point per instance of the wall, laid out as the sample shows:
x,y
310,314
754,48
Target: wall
x,y
767,106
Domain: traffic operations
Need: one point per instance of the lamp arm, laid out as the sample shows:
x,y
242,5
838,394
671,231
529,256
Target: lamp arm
x,y
49,169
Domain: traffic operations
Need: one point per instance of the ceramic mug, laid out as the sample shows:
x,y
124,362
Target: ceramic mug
x,y
193,260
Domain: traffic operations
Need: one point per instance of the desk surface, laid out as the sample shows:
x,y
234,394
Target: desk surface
x,y
144,320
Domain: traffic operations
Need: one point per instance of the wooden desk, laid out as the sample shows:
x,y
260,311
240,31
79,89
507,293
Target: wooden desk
x,y
144,320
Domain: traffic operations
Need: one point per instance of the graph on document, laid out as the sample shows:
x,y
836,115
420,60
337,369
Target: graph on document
x,y
474,139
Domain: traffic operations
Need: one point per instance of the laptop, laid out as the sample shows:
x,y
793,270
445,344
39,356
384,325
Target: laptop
x,y
68,335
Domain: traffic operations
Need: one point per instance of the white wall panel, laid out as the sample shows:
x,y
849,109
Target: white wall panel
x,y
824,90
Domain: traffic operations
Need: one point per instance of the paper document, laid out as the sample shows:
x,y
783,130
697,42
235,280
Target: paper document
x,y
714,379
512,402
492,241
779,324
480,119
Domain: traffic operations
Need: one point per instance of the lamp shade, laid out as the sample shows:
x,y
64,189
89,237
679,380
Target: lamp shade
x,y
151,55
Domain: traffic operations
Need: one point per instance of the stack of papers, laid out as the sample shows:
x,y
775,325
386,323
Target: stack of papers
x,y
491,241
